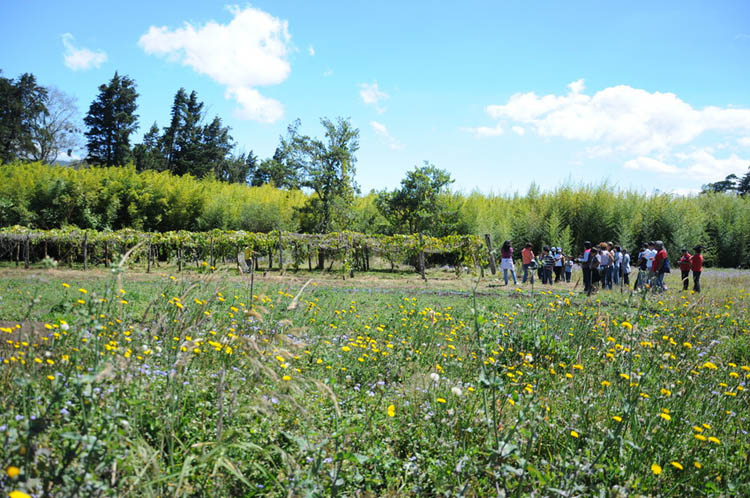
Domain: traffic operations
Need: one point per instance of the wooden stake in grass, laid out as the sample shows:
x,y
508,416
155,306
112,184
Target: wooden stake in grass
x,y
488,242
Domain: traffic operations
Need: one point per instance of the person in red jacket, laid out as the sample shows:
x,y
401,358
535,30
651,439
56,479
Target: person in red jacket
x,y
697,267
685,266
660,266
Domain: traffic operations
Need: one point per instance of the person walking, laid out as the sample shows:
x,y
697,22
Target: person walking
x,y
527,256
685,266
696,264
506,262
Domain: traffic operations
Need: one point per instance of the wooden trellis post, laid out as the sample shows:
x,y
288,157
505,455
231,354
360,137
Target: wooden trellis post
x,y
26,252
86,251
421,257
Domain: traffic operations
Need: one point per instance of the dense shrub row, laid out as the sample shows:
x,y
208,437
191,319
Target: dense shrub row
x,y
46,197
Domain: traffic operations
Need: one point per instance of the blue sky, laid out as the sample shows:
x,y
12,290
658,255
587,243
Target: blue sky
x,y
644,95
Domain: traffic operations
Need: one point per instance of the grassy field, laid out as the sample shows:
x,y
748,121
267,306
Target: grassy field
x,y
128,384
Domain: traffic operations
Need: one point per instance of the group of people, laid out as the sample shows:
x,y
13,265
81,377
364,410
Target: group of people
x,y
552,265
605,264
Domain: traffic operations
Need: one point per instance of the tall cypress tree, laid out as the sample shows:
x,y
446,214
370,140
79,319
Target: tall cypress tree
x,y
111,119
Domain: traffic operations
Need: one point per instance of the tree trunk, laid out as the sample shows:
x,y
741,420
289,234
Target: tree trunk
x,y
488,241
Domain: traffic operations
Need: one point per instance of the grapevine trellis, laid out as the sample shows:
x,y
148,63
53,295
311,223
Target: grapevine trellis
x,y
353,250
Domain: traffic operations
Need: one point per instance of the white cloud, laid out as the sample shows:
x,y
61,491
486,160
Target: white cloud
x,y
81,58
703,165
518,130
698,165
650,164
629,120
652,128
371,94
486,131
250,51
382,131
328,72
255,106
310,50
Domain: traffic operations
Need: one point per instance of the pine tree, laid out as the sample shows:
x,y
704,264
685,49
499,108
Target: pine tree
x,y
148,154
21,103
111,120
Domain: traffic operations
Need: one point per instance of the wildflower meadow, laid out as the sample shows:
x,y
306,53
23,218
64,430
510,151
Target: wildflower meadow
x,y
117,383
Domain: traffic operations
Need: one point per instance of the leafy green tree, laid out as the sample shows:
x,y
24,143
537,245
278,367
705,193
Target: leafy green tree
x,y
22,103
420,204
111,120
327,168
278,171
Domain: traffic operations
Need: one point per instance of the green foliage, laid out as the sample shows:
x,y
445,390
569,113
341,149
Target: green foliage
x,y
39,196
328,170
22,104
111,120
420,205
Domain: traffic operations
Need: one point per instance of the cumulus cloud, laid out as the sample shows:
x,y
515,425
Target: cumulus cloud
x,y
518,130
651,127
310,50
383,132
744,141
371,94
249,51
81,58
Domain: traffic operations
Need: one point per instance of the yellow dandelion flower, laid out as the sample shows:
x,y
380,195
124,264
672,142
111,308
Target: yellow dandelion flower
x,y
676,465
714,440
574,434
656,469
391,411
12,471
286,378
83,291
440,400
18,494
665,416
700,437
617,418
698,465
627,325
